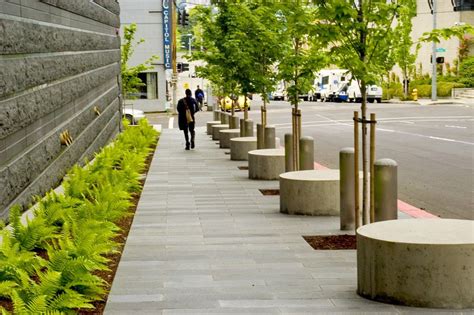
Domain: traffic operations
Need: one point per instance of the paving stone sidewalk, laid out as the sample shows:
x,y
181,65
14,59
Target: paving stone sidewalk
x,y
205,241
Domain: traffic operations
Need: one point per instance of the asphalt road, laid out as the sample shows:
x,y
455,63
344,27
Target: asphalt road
x,y
433,146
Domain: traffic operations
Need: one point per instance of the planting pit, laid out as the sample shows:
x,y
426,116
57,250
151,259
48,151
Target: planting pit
x,y
270,192
332,242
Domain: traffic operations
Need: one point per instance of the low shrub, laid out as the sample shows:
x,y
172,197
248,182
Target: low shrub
x,y
443,89
466,71
49,264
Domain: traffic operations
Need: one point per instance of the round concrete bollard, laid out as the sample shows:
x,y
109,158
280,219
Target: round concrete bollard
x,y
270,142
241,146
346,187
266,164
422,263
234,122
248,126
242,127
225,118
209,125
217,115
225,136
216,129
310,192
260,137
288,152
306,153
386,190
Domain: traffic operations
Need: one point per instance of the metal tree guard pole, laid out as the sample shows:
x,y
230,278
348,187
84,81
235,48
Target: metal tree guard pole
x,y
356,170
372,163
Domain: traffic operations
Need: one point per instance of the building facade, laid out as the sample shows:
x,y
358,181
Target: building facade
x,y
148,16
449,13
59,79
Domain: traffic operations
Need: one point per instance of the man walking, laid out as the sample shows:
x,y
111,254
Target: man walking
x,y
199,94
187,107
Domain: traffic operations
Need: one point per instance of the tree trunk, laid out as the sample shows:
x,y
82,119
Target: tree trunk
x,y
246,112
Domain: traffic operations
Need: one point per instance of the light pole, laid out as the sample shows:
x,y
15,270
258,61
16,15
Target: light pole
x,y
434,95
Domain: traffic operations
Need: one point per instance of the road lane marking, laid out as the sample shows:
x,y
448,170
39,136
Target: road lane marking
x,y
171,123
458,127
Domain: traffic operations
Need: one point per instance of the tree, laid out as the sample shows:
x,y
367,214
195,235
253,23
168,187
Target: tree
x,y
362,37
130,80
301,57
403,50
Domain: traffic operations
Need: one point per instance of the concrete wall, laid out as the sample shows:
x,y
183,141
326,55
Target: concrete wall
x,y
149,19
59,59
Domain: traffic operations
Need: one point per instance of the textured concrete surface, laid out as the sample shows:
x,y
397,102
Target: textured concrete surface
x,y
266,163
209,125
310,192
241,146
216,130
225,136
204,240
59,61
417,262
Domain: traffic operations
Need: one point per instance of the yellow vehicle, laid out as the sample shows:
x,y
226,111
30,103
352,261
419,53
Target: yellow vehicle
x,y
226,103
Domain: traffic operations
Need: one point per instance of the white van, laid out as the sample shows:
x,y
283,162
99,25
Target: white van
x,y
374,93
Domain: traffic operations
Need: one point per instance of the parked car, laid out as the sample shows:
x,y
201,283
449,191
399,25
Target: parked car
x,y
279,95
226,103
328,83
133,115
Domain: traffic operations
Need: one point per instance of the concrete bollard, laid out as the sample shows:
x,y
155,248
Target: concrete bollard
x,y
248,126
306,153
270,134
234,122
386,190
226,118
217,115
260,137
242,127
346,188
289,152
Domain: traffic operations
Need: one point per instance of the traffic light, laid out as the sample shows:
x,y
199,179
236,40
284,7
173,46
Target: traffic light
x,y
184,18
179,67
185,67
180,17
439,59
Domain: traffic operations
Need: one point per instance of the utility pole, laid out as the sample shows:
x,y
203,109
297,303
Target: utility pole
x,y
434,95
174,79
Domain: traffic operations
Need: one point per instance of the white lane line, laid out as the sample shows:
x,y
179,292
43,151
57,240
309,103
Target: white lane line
x,y
171,123
458,127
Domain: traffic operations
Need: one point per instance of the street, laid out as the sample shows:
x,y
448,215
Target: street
x,y
433,146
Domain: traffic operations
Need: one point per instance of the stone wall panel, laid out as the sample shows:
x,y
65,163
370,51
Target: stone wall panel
x,y
40,38
110,5
88,9
19,74
19,112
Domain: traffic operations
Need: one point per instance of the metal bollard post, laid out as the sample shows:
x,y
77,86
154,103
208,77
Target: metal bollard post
x,y
306,153
260,137
386,190
346,188
234,122
248,127
242,127
289,152
217,115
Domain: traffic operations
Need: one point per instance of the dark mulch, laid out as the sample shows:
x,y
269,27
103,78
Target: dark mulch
x,y
124,224
243,168
270,192
331,242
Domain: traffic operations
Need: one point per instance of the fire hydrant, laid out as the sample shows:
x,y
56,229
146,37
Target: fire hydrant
x,y
414,94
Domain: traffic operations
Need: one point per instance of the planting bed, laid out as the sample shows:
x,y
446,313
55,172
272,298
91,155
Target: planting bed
x,y
331,242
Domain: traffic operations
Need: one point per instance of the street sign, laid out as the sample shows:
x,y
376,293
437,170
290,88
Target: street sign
x,y
440,49
186,85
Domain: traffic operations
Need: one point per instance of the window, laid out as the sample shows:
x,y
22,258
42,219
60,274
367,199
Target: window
x,y
463,5
150,88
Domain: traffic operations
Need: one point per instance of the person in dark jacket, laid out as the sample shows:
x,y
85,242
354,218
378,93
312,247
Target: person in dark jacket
x,y
199,94
184,104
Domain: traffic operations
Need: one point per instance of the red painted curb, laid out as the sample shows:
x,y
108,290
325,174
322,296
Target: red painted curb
x,y
404,207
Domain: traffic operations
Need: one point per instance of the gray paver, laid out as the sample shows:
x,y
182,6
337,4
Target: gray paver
x,y
206,241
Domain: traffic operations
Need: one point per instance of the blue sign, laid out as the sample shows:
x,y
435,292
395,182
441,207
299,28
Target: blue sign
x,y
167,39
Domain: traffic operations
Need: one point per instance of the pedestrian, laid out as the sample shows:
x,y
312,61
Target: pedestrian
x,y
199,94
187,107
